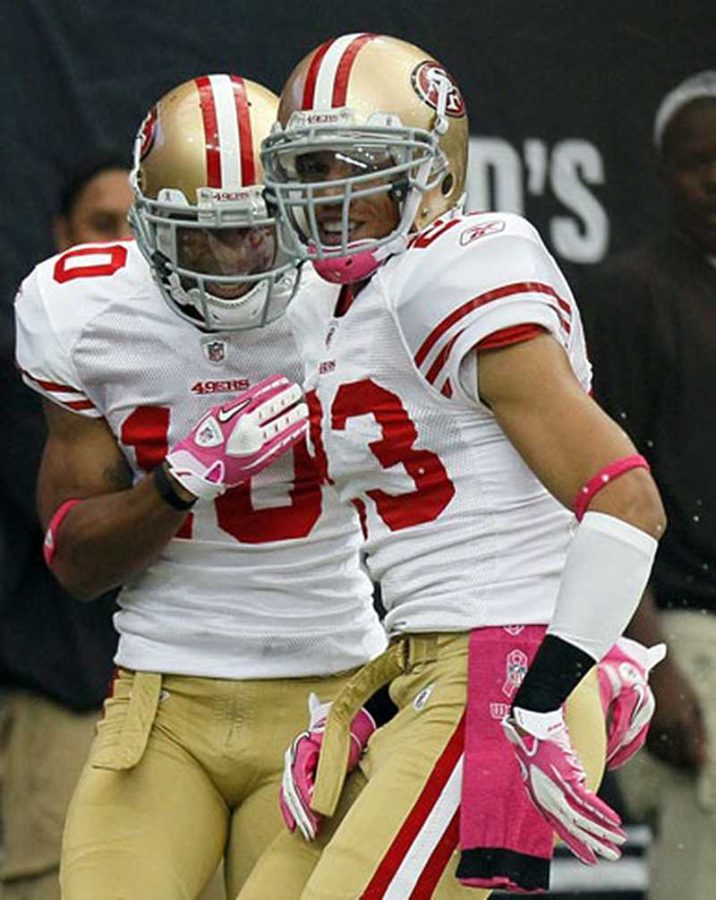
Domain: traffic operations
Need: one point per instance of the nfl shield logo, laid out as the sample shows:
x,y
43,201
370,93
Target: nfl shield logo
x,y
515,668
215,351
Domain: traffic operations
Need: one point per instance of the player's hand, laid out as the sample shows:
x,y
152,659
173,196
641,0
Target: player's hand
x,y
627,699
301,763
555,780
239,438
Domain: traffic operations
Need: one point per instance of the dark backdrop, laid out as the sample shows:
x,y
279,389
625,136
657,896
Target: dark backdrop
x,y
561,94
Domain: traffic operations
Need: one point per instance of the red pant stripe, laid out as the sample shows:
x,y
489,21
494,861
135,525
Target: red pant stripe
x,y
417,816
439,859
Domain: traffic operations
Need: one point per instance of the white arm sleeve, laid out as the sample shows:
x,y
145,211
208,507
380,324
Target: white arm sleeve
x,y
605,573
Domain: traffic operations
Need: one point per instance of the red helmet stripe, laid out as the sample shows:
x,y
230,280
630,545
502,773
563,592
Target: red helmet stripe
x,y
309,89
211,131
343,71
248,165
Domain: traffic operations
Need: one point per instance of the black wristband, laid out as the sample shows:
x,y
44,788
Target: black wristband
x,y
166,490
556,670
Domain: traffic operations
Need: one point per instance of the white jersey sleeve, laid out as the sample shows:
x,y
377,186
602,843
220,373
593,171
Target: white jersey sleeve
x,y
485,273
50,313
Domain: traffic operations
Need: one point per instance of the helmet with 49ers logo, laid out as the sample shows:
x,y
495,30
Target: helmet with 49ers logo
x,y
199,215
364,117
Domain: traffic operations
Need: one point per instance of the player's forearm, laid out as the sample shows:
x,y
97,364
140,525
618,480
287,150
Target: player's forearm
x,y
605,573
645,626
106,540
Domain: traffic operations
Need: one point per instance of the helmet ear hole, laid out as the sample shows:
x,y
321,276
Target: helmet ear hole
x,y
447,184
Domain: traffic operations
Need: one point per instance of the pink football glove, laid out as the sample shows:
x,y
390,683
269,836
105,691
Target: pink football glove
x,y
239,438
301,762
555,780
627,699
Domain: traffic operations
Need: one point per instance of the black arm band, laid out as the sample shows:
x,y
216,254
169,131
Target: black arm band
x,y
166,490
556,670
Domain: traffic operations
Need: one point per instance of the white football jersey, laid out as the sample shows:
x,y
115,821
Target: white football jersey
x,y
460,532
264,582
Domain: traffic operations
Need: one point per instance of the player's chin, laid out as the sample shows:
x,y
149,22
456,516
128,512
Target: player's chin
x,y
227,291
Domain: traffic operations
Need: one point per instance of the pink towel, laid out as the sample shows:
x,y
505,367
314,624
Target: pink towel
x,y
505,843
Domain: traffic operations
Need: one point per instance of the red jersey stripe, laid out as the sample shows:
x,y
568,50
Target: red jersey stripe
x,y
78,404
343,70
506,337
564,305
248,166
446,389
441,359
508,290
51,386
211,131
309,88
415,820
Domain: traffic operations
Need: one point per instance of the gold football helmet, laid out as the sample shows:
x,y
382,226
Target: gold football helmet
x,y
364,115
199,215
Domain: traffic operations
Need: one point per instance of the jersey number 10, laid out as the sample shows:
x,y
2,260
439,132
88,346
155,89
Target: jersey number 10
x,y
146,430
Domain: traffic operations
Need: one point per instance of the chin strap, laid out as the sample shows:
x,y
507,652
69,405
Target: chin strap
x,y
360,265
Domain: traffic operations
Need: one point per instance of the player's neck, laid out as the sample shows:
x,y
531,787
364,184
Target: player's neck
x,y
346,297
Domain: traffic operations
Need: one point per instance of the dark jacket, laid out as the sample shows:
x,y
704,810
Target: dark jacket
x,y
650,317
50,643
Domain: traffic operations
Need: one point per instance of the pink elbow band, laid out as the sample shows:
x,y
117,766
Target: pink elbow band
x,y
50,544
604,477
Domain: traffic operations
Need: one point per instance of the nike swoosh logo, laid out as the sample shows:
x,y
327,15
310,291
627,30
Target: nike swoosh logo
x,y
225,415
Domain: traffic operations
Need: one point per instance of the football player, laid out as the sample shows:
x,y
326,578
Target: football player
x,y
450,403
243,591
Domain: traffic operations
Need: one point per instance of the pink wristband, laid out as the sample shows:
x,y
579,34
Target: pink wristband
x,y
50,544
604,477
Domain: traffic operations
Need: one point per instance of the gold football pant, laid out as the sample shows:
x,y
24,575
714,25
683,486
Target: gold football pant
x,y
394,833
183,770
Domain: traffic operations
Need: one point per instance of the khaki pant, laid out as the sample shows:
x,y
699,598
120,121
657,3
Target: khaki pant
x,y
681,806
183,771
44,746
388,837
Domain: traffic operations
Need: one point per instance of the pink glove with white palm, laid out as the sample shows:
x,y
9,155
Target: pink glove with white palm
x,y
627,699
555,780
239,438
301,763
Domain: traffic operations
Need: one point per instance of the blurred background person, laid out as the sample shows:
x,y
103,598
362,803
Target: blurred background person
x,y
55,653
94,204
650,316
